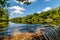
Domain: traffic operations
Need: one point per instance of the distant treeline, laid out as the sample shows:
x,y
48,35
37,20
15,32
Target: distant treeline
x,y
46,17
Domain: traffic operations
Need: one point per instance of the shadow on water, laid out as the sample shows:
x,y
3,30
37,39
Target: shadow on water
x,y
49,33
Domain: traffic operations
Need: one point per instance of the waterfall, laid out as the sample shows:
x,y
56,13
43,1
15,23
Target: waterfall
x,y
51,33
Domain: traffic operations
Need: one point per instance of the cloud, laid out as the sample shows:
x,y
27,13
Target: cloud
x,y
11,14
38,11
47,0
47,8
32,0
18,12
24,1
17,9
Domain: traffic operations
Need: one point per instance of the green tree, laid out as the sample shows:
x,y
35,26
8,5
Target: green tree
x,y
24,1
3,13
4,3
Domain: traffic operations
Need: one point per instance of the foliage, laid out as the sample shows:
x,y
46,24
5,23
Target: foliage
x,y
3,13
3,17
24,1
47,17
4,3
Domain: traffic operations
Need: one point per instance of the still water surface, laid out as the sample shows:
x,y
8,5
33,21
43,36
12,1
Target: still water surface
x,y
20,27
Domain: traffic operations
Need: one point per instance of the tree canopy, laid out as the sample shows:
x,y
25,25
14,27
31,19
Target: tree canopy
x,y
24,1
4,3
3,13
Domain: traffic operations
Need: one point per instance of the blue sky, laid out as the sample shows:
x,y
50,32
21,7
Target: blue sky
x,y
17,9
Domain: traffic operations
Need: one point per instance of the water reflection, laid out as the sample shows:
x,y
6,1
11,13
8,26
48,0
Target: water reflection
x,y
22,27
50,33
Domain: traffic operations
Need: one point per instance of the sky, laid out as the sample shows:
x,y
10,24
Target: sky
x,y
18,9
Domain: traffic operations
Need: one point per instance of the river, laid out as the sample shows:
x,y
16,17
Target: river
x,y
50,33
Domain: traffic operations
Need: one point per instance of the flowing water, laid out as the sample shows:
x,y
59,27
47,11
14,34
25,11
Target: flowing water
x,y
50,33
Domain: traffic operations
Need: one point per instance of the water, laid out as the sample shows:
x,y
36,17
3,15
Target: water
x,y
50,33
21,27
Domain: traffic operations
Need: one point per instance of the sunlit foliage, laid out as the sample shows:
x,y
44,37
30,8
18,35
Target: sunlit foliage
x,y
3,13
47,17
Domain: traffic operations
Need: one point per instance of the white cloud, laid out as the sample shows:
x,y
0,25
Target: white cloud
x,y
17,9
47,0
15,1
38,11
18,12
11,14
32,0
47,8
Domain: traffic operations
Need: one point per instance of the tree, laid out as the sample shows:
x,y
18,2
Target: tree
x,y
4,3
3,13
24,1
3,10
